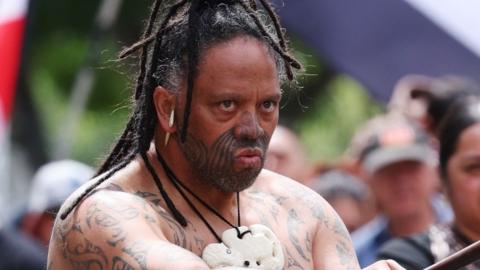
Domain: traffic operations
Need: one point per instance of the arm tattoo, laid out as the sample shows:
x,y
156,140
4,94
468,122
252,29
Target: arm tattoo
x,y
309,243
340,229
86,255
119,264
312,201
113,187
293,226
199,242
345,255
111,219
275,203
308,198
292,263
138,251
179,237
344,251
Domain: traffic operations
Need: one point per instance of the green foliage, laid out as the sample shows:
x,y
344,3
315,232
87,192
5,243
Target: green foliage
x,y
52,75
331,122
327,109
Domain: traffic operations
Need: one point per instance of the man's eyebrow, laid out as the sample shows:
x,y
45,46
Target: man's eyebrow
x,y
227,94
276,96
470,157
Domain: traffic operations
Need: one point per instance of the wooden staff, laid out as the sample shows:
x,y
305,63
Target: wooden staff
x,y
458,259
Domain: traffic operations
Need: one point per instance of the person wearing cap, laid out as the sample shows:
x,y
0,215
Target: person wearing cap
x,y
347,194
398,164
26,247
51,185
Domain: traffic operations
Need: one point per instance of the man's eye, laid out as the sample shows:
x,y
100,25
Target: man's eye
x,y
269,105
473,169
227,105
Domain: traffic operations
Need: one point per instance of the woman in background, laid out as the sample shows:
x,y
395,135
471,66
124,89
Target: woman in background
x,y
459,135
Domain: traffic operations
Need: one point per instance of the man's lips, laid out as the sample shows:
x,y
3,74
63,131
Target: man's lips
x,y
249,157
249,152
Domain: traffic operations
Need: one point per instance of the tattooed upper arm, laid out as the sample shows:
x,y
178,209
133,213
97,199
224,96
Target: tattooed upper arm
x,y
117,230
332,246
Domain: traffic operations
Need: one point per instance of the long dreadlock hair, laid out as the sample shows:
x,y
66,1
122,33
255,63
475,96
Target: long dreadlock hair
x,y
176,34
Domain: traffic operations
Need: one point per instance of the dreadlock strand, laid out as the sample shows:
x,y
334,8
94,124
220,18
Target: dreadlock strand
x,y
289,60
280,34
163,26
143,58
253,4
192,46
171,206
147,38
123,146
146,129
157,37
276,22
135,47
153,16
146,125
141,43
99,181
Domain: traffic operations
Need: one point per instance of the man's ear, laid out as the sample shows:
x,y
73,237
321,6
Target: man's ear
x,y
164,102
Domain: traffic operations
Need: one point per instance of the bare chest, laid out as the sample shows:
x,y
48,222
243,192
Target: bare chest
x,y
292,227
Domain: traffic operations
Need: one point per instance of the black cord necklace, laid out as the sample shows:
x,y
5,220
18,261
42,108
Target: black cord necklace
x,y
180,187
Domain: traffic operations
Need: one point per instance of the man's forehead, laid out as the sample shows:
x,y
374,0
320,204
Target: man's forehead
x,y
236,68
238,93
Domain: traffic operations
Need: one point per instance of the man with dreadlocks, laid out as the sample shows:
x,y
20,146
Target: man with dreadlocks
x,y
188,166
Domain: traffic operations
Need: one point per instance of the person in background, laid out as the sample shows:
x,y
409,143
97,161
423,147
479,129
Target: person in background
x,y
404,102
286,156
425,100
51,185
20,252
347,194
459,135
398,164
24,245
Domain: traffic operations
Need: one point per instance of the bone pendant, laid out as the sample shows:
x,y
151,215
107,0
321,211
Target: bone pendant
x,y
258,249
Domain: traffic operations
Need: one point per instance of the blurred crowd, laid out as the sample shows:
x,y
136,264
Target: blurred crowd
x,y
24,237
407,187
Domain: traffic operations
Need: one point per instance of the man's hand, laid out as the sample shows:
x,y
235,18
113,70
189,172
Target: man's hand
x,y
385,265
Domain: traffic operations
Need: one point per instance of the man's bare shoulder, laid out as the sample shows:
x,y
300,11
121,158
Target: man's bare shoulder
x,y
116,182
313,229
293,201
115,225
122,193
107,204
284,187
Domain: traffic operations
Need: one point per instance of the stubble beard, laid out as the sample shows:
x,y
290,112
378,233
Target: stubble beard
x,y
215,166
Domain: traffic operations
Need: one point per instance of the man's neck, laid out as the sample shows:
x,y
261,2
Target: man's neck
x,y
415,223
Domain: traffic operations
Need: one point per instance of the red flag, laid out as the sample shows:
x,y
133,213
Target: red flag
x,y
12,24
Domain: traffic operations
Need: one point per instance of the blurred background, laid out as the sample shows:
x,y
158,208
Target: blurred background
x,y
64,95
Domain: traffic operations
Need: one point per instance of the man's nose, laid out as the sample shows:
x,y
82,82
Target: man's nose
x,y
248,127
